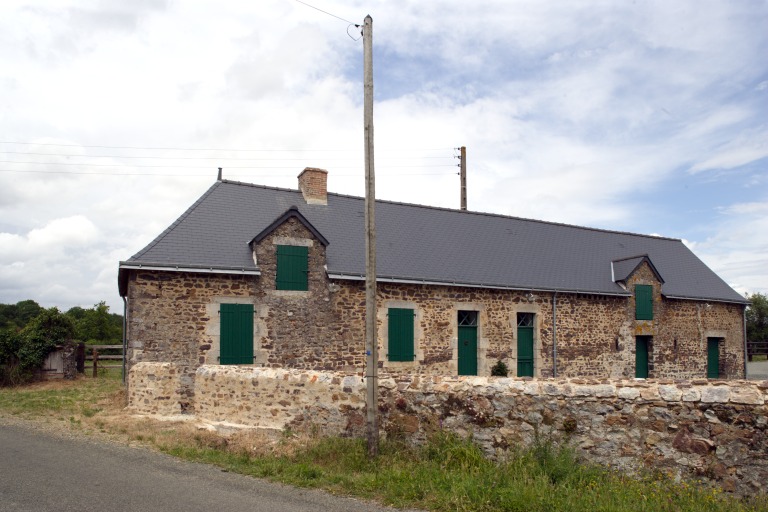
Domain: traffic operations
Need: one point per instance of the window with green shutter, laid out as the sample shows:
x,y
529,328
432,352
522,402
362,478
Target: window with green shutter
x,y
292,267
400,334
643,302
236,334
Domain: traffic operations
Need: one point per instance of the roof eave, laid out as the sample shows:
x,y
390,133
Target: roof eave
x,y
125,266
399,280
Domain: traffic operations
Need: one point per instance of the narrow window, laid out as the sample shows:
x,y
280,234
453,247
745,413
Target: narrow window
x,y
400,334
642,350
467,353
643,302
525,345
292,268
236,334
713,358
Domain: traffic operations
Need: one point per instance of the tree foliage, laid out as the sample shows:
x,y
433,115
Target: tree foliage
x,y
97,325
16,316
29,332
757,318
93,325
23,352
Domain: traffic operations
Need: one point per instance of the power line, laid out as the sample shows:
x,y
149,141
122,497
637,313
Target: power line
x,y
205,157
28,171
207,167
328,13
150,148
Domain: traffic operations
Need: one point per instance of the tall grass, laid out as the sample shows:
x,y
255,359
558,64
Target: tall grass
x,y
450,473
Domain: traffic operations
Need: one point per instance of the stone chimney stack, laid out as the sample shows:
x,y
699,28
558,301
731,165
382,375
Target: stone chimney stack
x,y
313,184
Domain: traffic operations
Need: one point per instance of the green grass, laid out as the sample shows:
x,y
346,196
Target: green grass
x,y
448,473
452,474
59,397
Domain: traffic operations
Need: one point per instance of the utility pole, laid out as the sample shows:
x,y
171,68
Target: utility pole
x,y
371,348
463,160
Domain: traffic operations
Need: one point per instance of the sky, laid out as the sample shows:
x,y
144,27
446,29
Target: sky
x,y
647,116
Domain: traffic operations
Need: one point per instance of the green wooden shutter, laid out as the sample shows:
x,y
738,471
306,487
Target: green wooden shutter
x,y
292,267
400,334
236,340
643,302
713,358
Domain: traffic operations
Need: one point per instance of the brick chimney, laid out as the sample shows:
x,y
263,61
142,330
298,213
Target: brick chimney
x,y
313,184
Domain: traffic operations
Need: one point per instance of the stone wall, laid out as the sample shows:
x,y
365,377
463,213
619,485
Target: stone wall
x,y
715,430
277,398
155,389
174,317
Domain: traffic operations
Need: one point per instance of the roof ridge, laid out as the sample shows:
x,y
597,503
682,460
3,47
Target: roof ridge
x,y
176,222
464,212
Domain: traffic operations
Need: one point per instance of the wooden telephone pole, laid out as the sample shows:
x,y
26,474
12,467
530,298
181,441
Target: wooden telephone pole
x,y
371,345
463,159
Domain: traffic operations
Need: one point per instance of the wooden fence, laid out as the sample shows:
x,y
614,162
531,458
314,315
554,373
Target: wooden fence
x,y
100,360
757,348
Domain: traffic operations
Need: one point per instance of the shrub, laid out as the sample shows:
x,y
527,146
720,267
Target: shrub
x,y
499,369
23,353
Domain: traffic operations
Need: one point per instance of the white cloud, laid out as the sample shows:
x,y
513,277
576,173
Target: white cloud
x,y
568,110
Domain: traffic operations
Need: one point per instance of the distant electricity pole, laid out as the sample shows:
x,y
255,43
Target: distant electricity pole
x,y
371,348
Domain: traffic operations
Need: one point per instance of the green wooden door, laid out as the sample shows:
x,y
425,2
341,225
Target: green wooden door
x,y
468,350
525,351
236,335
713,358
641,357
525,344
467,342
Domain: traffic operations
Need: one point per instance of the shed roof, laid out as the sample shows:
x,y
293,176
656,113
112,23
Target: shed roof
x,y
424,244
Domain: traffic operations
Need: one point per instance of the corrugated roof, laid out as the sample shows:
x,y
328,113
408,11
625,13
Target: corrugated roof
x,y
420,243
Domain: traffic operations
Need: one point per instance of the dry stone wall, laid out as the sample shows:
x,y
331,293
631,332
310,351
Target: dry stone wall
x,y
714,430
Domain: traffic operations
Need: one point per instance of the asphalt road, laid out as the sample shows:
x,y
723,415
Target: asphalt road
x,y
41,472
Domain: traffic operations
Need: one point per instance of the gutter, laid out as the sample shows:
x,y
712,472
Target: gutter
x,y
361,277
125,334
554,335
744,314
200,269
707,299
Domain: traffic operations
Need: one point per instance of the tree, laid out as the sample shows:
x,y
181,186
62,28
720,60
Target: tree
x,y
757,318
21,353
16,316
97,325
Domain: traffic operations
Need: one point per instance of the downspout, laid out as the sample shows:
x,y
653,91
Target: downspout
x,y
744,315
554,334
125,333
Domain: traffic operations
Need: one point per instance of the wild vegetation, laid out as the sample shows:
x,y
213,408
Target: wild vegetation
x,y
29,332
449,473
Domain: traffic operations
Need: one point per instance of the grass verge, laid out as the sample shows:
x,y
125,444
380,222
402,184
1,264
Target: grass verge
x,y
448,473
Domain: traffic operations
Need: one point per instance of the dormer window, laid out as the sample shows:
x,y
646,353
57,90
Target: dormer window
x,y
292,268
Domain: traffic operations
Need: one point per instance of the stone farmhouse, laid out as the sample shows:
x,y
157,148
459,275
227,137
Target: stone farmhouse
x,y
255,275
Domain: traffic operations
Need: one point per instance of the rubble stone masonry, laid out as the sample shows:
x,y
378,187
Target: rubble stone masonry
x,y
174,317
708,429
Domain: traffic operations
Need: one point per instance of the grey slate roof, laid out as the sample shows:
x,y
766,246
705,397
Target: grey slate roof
x,y
426,244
